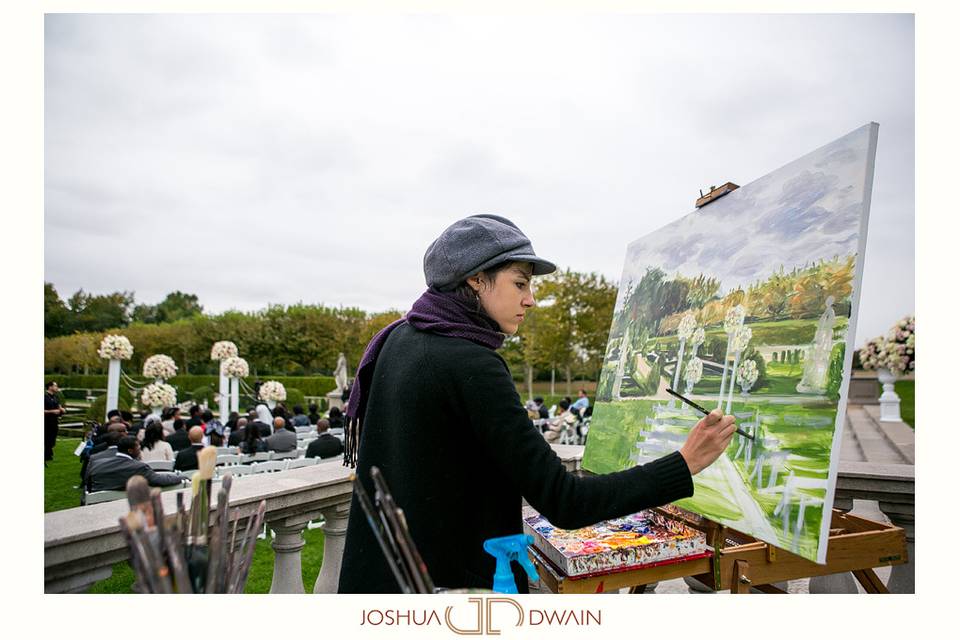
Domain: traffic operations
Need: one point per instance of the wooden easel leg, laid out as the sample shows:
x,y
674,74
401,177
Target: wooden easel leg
x,y
870,581
768,588
640,588
740,582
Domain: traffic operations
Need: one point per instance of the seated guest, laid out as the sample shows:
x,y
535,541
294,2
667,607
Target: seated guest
x,y
541,408
252,442
298,419
237,433
263,420
314,414
107,446
167,417
211,424
154,447
581,404
187,458
282,439
335,418
178,439
194,418
565,419
110,473
326,445
231,421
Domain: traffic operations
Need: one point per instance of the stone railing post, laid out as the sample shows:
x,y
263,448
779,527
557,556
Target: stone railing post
x,y
287,569
334,539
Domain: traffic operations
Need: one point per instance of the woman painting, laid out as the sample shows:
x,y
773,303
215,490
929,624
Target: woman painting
x,y
435,408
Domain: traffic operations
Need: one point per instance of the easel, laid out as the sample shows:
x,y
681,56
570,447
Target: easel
x,y
740,562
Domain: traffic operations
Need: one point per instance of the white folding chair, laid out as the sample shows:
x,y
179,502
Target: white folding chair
x,y
223,451
234,470
271,466
96,497
333,459
283,455
259,456
160,465
229,458
305,430
302,462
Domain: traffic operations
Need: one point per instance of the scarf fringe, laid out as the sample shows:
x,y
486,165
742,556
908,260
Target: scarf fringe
x,y
351,436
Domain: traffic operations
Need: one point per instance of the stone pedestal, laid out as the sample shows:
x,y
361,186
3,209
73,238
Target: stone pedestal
x,y
287,568
334,539
334,400
889,400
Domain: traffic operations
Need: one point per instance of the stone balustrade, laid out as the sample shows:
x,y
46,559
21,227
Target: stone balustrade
x,y
82,544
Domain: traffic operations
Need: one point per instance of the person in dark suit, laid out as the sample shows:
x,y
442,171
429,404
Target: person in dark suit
x,y
187,458
237,433
282,439
326,445
104,443
110,473
179,438
51,419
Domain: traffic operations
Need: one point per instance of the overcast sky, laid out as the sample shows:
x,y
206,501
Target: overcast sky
x,y
276,159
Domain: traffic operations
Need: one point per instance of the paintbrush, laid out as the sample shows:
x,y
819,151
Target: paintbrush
x,y
197,549
138,495
702,410
391,559
247,558
170,543
415,565
131,525
218,540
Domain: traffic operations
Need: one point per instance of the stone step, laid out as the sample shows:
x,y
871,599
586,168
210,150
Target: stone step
x,y
898,434
871,439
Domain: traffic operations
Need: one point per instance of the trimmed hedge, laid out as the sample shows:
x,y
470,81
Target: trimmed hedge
x,y
308,385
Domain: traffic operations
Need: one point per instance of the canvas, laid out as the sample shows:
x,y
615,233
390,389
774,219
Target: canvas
x,y
748,304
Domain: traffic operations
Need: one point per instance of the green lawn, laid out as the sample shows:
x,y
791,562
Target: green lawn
x,y
905,389
62,475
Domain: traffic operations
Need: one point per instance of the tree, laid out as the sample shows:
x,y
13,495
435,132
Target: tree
x,y
56,316
100,312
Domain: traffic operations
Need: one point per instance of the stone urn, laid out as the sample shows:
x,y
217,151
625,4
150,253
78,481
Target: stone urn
x,y
889,400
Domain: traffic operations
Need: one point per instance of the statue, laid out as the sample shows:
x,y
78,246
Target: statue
x,y
340,374
817,363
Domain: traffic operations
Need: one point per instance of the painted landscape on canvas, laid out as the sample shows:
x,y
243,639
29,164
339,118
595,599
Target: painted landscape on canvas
x,y
747,304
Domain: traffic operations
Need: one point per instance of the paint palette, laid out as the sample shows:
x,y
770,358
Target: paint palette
x,y
639,539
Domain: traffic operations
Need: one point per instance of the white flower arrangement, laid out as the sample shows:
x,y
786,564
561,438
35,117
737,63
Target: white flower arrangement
x,y
741,337
274,391
734,318
115,347
694,372
159,366
235,367
747,375
687,326
159,394
698,337
895,352
223,350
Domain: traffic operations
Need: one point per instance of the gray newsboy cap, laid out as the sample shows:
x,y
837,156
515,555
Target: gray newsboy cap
x,y
474,244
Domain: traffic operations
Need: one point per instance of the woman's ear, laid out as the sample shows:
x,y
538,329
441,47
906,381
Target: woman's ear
x,y
475,282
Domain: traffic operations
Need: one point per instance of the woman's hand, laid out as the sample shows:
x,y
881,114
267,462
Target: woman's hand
x,y
707,440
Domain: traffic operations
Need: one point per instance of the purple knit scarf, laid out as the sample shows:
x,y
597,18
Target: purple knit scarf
x,y
442,313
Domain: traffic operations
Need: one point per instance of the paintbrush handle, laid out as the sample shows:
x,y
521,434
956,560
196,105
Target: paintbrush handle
x,y
238,557
248,557
391,559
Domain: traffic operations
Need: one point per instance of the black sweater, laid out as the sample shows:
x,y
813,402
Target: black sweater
x,y
446,427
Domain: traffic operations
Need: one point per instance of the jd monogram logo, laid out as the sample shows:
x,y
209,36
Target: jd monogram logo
x,y
484,617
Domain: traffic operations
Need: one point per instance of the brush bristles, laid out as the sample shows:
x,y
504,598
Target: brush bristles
x,y
206,461
138,491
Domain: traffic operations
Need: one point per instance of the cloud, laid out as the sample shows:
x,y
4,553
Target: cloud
x,y
251,140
